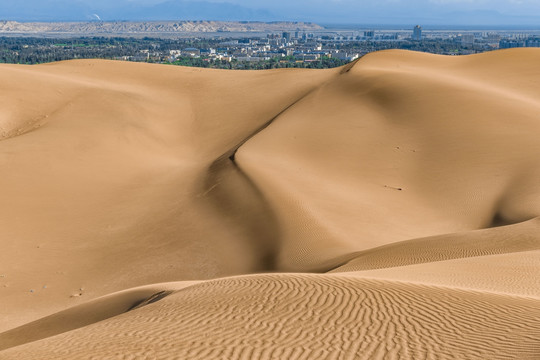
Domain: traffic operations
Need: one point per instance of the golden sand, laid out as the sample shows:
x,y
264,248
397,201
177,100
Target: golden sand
x,y
388,209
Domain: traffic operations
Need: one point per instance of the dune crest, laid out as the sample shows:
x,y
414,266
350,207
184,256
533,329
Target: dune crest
x,y
407,181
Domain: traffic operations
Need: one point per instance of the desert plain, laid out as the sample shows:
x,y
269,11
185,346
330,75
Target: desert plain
x,y
388,209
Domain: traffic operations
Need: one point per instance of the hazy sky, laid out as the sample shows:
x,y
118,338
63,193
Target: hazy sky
x,y
471,12
521,7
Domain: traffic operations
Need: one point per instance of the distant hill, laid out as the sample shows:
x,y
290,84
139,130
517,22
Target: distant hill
x,y
124,27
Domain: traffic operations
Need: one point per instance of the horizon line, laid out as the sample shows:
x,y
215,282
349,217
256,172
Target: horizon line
x,y
322,24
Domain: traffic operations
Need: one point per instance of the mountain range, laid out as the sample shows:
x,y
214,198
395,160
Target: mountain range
x,y
64,10
394,12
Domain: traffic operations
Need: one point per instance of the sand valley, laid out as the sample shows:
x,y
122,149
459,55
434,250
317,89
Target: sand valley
x,y
388,209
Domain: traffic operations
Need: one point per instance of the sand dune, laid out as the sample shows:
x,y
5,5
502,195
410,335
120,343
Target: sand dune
x,y
308,317
142,205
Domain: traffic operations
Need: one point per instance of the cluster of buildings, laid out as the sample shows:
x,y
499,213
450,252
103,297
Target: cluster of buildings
x,y
489,39
515,43
301,47
492,40
345,45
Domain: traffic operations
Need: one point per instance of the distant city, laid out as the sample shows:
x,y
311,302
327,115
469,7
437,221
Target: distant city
x,y
316,47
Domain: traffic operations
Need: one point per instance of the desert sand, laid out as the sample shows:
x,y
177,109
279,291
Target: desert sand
x,y
388,209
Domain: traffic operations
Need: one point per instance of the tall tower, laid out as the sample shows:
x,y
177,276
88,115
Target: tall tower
x,y
417,33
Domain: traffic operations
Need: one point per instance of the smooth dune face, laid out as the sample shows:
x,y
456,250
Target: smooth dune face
x,y
409,182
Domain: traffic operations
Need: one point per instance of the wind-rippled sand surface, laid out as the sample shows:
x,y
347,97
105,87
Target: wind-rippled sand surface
x,y
389,209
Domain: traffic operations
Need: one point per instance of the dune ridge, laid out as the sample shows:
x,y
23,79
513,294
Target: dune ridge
x,y
393,205
336,317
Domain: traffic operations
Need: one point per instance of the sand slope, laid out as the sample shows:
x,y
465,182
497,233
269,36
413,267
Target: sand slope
x,y
411,180
308,317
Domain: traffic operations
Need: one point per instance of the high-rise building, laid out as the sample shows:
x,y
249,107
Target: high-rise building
x,y
417,33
